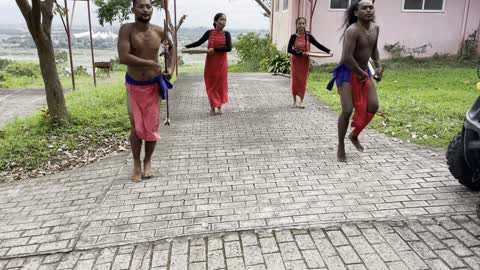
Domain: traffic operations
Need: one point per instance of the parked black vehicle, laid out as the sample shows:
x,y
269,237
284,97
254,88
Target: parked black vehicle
x,y
463,154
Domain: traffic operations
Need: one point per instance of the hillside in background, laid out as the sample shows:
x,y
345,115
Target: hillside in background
x,y
17,44
17,37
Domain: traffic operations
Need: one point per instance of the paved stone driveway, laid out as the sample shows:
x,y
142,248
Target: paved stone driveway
x,y
19,102
258,187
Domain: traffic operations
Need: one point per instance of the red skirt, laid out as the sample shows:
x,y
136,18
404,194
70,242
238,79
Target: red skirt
x,y
216,78
299,74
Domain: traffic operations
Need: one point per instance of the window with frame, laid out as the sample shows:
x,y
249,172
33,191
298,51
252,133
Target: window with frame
x,y
277,5
285,4
423,5
340,4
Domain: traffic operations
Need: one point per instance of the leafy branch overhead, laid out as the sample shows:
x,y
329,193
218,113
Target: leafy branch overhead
x,y
120,10
265,5
117,10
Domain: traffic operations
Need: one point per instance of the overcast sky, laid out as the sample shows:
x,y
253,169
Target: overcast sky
x,y
240,13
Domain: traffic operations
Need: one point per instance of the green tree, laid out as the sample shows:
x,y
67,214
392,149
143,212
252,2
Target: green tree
x,y
39,15
119,10
113,10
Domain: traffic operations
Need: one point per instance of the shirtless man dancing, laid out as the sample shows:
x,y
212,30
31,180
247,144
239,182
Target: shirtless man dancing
x,y
138,48
352,76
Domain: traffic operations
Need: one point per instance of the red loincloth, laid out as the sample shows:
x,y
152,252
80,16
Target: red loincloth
x,y
144,106
361,117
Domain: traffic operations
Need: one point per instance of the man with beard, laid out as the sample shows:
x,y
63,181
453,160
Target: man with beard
x,y
352,76
138,48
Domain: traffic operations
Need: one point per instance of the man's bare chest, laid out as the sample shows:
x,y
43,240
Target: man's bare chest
x,y
148,40
367,40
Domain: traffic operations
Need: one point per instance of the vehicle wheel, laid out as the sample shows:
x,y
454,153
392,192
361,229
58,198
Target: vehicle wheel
x,y
457,165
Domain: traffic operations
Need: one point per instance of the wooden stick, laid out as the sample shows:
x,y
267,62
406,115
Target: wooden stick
x,y
319,54
195,51
165,6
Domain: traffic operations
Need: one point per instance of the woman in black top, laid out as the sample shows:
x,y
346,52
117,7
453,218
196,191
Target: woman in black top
x,y
299,47
216,64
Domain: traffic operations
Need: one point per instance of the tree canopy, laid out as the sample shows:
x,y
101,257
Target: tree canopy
x,y
117,10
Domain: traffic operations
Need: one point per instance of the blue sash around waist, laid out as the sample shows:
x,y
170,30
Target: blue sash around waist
x,y
341,74
163,84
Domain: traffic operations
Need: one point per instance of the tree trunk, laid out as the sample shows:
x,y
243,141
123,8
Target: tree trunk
x,y
38,16
53,88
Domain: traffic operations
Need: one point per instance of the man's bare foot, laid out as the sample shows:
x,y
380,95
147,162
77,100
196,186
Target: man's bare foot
x,y
147,169
341,156
212,112
137,172
294,105
301,106
219,111
355,142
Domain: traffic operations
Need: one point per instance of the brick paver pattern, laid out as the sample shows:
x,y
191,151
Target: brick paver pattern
x,y
440,243
258,187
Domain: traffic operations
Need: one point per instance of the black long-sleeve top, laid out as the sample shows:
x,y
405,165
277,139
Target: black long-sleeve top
x,y
228,41
311,39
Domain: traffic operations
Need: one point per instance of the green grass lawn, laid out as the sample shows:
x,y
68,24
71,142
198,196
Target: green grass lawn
x,y
191,68
97,115
424,100
81,81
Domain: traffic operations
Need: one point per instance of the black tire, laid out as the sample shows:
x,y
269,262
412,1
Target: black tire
x,y
457,165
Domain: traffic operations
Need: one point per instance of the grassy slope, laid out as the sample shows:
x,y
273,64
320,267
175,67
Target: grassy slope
x,y
424,100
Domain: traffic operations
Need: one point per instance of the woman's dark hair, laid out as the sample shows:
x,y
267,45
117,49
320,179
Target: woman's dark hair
x,y
296,21
217,16
350,17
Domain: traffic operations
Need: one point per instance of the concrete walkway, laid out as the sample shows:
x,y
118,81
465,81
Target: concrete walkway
x,y
19,102
256,188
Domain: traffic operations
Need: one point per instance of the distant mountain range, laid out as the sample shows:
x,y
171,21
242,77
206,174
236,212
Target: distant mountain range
x,y
15,29
96,35
17,36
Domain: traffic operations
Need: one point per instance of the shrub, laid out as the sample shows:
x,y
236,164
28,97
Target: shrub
x,y
396,50
17,74
252,48
119,67
279,63
18,69
80,71
470,45
4,63
61,57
